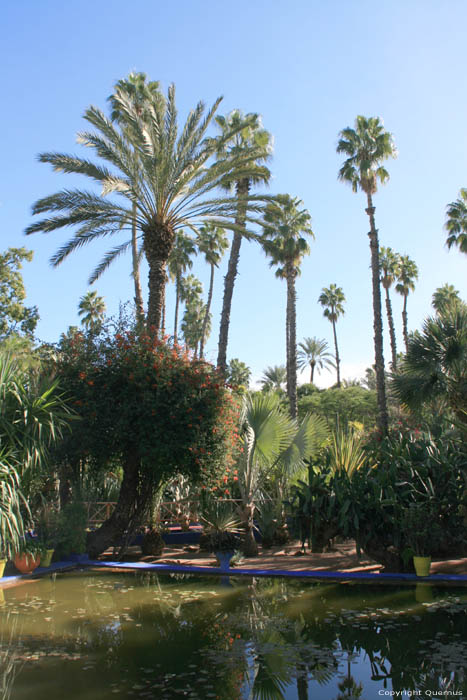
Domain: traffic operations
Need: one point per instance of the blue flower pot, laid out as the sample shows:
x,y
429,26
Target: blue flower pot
x,y
224,559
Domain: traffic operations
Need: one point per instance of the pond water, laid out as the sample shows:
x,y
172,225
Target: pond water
x,y
101,636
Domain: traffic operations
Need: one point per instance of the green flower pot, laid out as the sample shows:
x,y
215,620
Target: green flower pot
x,y
422,565
2,566
46,559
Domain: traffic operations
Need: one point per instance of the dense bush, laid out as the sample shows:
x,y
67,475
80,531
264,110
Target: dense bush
x,y
353,403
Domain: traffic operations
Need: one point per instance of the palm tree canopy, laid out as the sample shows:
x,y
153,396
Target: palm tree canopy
x,y
445,296
407,275
285,225
91,309
332,298
389,262
367,146
191,289
212,242
274,377
314,351
180,257
456,223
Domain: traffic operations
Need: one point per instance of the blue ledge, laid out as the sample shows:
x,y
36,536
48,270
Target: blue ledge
x,y
318,575
40,571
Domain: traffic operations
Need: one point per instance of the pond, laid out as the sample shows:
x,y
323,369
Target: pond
x,y
113,635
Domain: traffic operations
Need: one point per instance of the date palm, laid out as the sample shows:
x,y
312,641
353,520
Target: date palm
x,y
406,277
274,378
212,242
389,266
165,174
91,309
367,146
456,222
332,299
285,228
180,260
140,93
252,143
314,353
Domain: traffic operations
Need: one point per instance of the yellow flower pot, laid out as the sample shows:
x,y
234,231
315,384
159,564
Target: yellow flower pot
x,y
46,559
2,566
422,565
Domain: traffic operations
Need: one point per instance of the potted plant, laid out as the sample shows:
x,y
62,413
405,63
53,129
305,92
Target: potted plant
x,y
11,502
71,532
28,555
222,529
48,531
421,534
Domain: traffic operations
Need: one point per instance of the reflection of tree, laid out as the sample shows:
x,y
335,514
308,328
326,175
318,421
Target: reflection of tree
x,y
10,665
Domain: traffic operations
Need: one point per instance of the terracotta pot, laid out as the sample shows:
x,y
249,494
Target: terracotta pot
x,y
25,563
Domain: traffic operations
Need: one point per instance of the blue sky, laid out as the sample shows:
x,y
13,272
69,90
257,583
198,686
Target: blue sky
x,y
309,67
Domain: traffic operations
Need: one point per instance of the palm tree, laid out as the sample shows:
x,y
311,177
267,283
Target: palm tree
x,y
238,373
178,263
456,223
434,368
165,174
140,93
313,352
212,242
274,378
445,296
367,146
251,143
407,274
389,266
332,299
91,309
285,226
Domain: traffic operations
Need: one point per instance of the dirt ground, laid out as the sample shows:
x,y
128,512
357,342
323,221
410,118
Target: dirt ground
x,y
343,557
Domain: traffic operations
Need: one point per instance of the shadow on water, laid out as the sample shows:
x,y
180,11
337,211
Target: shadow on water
x,y
132,635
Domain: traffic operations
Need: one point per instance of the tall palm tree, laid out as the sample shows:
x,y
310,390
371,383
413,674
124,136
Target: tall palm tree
x,y
180,260
367,146
445,296
167,175
274,377
332,299
212,242
140,93
91,309
456,223
313,352
286,223
389,266
407,275
249,141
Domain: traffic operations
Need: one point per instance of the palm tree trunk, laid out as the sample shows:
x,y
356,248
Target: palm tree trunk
x,y
338,361
292,356
312,373
136,276
377,321
177,302
158,244
405,324
163,318
206,315
243,187
392,333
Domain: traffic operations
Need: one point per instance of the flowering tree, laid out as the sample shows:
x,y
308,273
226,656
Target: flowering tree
x,y
153,408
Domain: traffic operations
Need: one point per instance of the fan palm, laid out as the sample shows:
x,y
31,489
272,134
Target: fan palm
x,y
178,263
332,299
406,277
389,266
435,365
274,378
165,175
248,141
445,296
212,242
367,146
313,352
140,93
91,309
285,227
456,223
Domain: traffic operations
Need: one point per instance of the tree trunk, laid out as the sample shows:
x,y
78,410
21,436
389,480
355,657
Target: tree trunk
x,y
206,315
243,188
177,302
132,506
292,357
377,321
392,333
338,361
136,276
163,318
312,373
404,323
158,244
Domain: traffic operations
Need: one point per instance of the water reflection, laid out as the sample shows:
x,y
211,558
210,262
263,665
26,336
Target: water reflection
x,y
164,637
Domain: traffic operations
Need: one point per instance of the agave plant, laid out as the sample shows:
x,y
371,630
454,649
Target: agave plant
x,y
221,526
11,501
